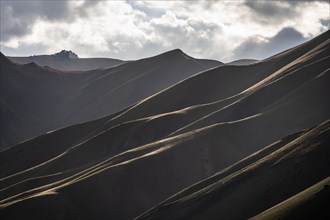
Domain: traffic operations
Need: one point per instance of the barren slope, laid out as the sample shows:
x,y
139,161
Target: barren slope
x,y
263,181
35,100
128,162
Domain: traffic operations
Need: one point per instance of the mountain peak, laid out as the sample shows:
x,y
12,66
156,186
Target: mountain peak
x,y
4,59
173,53
2,55
67,54
176,51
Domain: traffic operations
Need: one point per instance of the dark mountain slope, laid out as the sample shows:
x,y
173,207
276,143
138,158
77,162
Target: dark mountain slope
x,y
280,173
25,101
142,131
119,167
129,83
224,82
291,117
249,132
35,100
280,89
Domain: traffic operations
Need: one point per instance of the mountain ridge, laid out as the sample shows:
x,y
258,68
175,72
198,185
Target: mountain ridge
x,y
231,136
60,98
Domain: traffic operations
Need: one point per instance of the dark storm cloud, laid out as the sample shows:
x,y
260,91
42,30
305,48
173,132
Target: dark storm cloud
x,y
259,49
270,12
135,29
325,22
50,10
18,17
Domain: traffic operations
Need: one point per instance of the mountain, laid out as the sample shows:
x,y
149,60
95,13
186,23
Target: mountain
x,y
65,54
68,61
29,95
258,182
226,139
35,99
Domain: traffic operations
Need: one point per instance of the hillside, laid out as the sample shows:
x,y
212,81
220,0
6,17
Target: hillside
x,y
35,100
225,139
255,183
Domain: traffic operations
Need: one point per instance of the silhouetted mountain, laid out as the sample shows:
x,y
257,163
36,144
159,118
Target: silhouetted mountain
x,y
257,182
68,61
64,54
227,143
35,100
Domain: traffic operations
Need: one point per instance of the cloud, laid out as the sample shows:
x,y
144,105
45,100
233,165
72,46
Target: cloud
x,y
137,29
325,23
143,7
18,17
27,48
258,47
273,10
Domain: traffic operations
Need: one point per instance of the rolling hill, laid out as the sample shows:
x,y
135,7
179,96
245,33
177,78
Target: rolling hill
x,y
225,139
35,100
257,182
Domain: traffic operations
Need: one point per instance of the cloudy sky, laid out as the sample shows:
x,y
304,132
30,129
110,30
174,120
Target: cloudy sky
x,y
222,30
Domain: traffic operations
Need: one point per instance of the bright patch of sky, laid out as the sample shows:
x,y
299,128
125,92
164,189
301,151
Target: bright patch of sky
x,y
222,30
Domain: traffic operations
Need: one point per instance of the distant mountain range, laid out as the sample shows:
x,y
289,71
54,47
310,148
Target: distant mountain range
x,y
68,61
35,99
169,137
